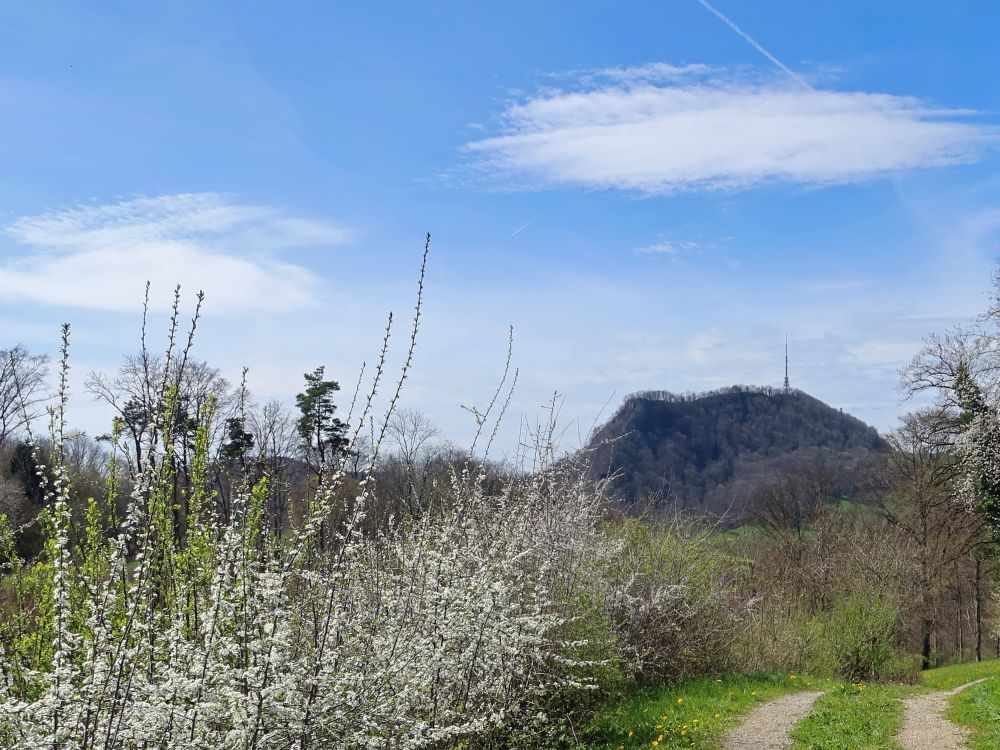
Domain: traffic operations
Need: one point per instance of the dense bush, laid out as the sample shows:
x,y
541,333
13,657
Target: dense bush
x,y
669,595
861,641
433,630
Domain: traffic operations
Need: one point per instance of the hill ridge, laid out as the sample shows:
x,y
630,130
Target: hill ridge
x,y
712,450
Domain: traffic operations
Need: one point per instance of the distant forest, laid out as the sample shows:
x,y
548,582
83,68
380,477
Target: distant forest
x,y
713,451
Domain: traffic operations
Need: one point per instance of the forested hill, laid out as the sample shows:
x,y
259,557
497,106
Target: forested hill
x,y
714,450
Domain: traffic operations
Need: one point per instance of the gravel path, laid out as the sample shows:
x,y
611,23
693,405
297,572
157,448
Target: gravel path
x,y
768,725
925,726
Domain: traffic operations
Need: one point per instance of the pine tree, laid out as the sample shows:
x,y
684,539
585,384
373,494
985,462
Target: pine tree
x,y
324,436
239,442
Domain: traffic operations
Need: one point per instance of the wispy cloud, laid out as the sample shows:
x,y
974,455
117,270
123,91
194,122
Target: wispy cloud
x,y
701,130
100,257
651,73
668,247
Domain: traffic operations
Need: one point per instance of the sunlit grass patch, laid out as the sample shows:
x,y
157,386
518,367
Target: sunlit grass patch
x,y
979,709
946,678
695,713
853,717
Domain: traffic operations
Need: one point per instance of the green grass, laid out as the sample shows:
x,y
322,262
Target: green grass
x,y
694,714
737,533
698,713
979,709
946,678
853,717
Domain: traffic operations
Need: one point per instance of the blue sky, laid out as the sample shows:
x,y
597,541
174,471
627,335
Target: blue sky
x,y
649,197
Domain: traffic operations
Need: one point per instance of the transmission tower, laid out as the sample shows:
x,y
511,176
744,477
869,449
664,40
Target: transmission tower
x,y
787,386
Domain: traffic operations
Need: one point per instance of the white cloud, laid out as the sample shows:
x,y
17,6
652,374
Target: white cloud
x,y
668,247
691,131
652,72
100,257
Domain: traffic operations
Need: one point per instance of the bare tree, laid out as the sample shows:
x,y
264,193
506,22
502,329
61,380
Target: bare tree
x,y
919,498
276,441
411,435
792,500
22,389
136,395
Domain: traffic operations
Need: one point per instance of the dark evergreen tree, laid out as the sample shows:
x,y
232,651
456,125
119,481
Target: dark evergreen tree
x,y
239,442
324,436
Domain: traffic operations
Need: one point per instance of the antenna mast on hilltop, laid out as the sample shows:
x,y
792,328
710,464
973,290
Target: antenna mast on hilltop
x,y
787,387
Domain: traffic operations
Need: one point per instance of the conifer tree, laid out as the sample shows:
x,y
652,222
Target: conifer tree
x,y
324,436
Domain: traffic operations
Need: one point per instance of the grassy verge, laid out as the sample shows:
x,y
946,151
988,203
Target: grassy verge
x,y
978,708
695,714
853,717
946,678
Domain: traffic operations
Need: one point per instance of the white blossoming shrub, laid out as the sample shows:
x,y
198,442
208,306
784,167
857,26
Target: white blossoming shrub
x,y
978,449
173,629
441,630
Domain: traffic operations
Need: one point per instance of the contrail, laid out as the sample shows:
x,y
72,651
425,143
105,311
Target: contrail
x,y
753,42
523,227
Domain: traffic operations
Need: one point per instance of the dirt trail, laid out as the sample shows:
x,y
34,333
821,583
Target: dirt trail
x,y
768,725
925,726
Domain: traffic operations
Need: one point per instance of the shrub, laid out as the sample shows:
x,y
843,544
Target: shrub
x,y
861,635
668,592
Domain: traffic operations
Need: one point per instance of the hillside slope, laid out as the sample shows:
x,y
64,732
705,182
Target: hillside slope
x,y
712,451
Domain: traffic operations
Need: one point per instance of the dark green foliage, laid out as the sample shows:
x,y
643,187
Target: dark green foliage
x,y
239,442
712,450
324,436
